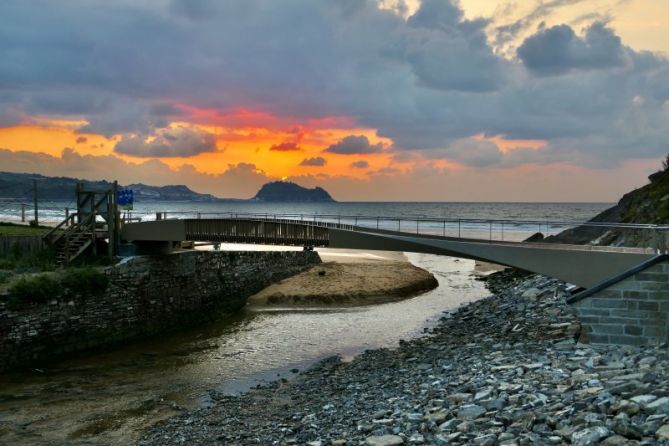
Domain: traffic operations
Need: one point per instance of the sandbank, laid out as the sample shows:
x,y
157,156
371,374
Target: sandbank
x,y
349,277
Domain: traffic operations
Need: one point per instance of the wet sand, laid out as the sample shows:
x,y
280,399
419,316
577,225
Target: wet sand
x,y
349,278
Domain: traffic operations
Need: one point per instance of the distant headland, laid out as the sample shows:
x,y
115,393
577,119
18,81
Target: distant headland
x,y
19,186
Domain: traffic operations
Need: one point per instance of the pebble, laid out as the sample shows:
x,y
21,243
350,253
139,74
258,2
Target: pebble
x,y
504,370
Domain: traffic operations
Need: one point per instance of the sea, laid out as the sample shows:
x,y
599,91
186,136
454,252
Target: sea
x,y
498,220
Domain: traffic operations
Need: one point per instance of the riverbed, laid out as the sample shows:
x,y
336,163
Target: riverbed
x,y
111,397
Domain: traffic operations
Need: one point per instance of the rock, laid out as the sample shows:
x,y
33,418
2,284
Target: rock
x,y
615,440
663,432
643,400
531,293
486,440
626,429
470,412
384,440
659,405
589,436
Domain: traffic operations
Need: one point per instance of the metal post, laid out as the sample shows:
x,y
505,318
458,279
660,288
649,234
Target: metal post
x,y
35,202
502,231
399,225
356,220
416,225
490,239
23,213
67,216
377,222
459,221
444,232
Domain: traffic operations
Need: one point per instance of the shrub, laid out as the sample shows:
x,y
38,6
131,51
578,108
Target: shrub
x,y
4,276
34,289
83,281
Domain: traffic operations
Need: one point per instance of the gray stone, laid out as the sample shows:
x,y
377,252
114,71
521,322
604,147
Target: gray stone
x,y
589,436
384,440
470,412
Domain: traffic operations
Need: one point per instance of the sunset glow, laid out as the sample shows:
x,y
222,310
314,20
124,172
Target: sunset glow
x,y
474,94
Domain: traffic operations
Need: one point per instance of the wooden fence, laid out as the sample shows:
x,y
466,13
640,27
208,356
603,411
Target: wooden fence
x,y
20,244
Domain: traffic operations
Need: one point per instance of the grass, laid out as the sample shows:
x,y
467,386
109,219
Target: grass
x,y
17,229
69,283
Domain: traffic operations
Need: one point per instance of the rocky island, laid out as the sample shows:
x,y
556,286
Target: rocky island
x,y
284,191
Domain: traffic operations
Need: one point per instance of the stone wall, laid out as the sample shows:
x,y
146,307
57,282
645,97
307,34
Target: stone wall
x,y
631,311
147,295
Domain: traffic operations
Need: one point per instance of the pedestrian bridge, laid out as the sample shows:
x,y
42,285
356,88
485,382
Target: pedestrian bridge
x,y
583,265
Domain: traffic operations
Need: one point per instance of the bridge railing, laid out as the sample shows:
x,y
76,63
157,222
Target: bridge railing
x,y
620,234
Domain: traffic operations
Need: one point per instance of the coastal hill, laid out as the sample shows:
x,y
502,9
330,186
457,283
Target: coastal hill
x,y
19,187
284,191
648,204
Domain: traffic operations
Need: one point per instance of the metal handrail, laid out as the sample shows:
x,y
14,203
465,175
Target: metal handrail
x,y
416,218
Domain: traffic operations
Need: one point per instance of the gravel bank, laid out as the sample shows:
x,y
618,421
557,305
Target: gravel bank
x,y
504,370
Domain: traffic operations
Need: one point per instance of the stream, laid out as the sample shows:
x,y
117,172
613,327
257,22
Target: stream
x,y
111,397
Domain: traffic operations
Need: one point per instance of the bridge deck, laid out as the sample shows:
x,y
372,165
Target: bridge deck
x,y
584,265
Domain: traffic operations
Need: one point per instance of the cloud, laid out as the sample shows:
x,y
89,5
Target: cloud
x,y
425,81
427,183
239,180
169,142
285,146
81,140
360,164
558,50
354,145
315,161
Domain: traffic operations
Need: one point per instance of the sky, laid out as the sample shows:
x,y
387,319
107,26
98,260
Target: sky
x,y
374,100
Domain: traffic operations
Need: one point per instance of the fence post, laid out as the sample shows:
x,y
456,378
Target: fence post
x,y
67,216
23,213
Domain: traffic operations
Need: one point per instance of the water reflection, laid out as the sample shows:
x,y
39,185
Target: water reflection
x,y
109,397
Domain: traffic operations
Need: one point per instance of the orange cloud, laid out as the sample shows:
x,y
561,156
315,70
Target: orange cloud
x,y
242,136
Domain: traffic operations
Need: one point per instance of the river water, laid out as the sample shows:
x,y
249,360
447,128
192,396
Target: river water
x,y
109,398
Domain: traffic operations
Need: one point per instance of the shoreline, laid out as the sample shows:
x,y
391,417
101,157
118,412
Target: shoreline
x,y
506,369
346,278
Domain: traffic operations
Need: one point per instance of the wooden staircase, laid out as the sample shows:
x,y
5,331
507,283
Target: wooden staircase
x,y
71,239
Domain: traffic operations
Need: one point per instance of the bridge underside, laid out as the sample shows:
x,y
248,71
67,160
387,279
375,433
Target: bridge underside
x,y
585,266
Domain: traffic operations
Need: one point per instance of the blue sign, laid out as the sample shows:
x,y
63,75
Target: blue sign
x,y
125,199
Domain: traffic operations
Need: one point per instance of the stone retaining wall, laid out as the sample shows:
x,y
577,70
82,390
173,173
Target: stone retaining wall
x,y
631,311
147,295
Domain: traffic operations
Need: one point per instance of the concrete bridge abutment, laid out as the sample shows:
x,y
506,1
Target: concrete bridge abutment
x,y
629,309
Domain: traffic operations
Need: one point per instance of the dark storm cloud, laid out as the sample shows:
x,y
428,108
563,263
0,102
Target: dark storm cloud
x,y
314,162
354,145
286,146
360,164
558,50
425,82
171,142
